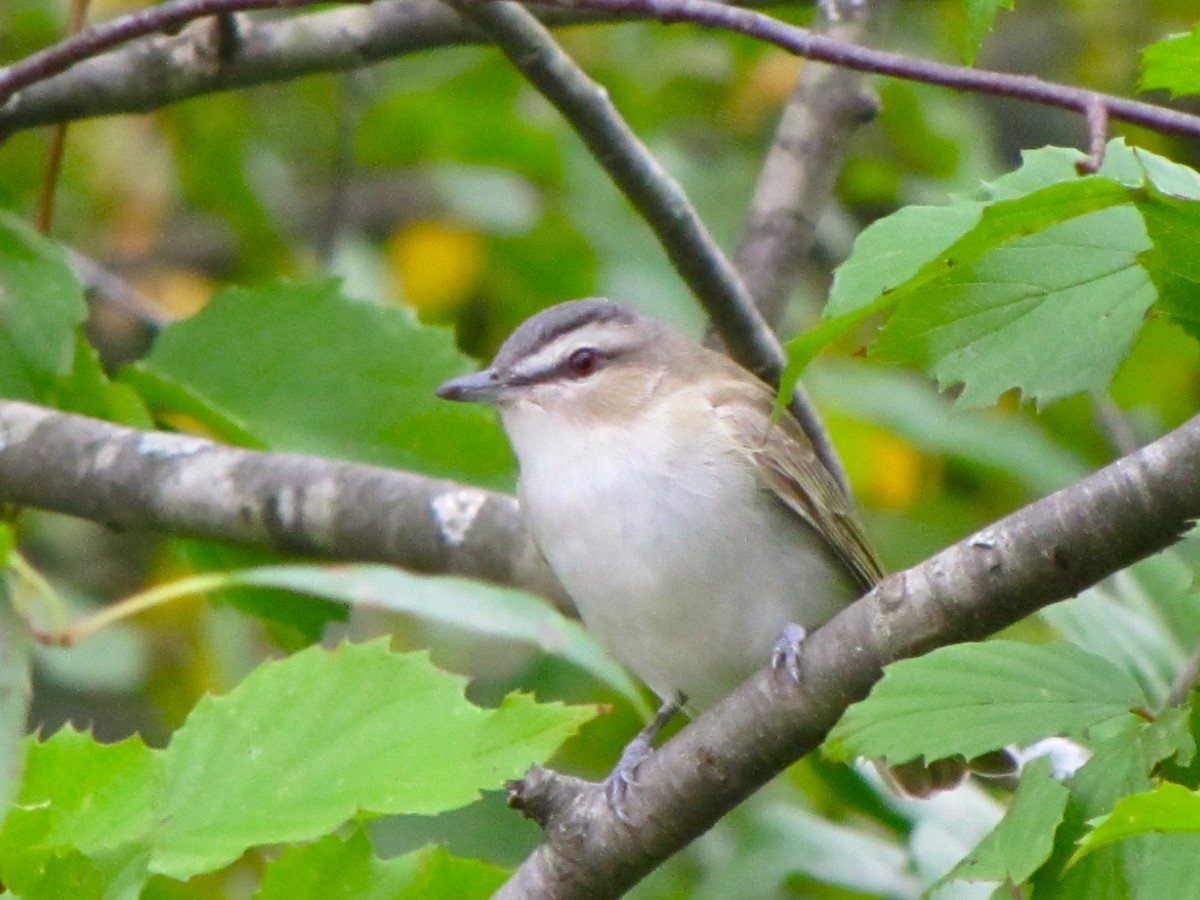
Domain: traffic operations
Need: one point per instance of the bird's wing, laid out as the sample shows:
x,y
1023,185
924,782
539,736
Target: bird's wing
x,y
785,460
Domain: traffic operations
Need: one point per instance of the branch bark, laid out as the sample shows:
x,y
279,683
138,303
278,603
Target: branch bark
x,y
1046,552
300,504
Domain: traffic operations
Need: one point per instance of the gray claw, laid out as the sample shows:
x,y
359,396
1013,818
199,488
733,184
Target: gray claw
x,y
786,655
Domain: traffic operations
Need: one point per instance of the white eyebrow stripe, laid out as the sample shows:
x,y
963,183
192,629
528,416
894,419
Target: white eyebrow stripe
x,y
606,337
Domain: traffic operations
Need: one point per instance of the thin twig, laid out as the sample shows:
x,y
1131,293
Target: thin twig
x,y
806,43
1096,115
57,140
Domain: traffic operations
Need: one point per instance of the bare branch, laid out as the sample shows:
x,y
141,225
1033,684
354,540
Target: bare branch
x,y
162,69
806,43
301,504
1046,552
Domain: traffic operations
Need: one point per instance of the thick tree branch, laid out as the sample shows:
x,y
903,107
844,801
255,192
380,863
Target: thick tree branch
x,y
1046,552
301,504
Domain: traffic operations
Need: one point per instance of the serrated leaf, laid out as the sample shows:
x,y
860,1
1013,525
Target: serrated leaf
x,y
305,743
952,277
908,406
41,305
82,794
1169,807
461,602
972,698
1132,167
1172,64
1024,838
331,376
333,867
995,322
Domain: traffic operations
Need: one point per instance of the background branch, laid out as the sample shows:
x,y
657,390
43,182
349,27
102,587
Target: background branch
x,y
159,481
826,107
1048,551
162,69
810,45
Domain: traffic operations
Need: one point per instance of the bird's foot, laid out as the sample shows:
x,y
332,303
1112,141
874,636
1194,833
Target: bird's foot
x,y
785,657
624,773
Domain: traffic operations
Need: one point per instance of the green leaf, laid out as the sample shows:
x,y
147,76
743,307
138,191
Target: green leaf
x,y
77,828
996,321
305,743
1024,838
768,843
1169,807
87,390
462,602
84,795
980,15
1119,622
1172,64
1173,224
1124,753
972,698
41,305
330,376
333,867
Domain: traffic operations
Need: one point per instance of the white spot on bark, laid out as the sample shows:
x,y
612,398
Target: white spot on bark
x,y
455,513
17,424
105,457
161,443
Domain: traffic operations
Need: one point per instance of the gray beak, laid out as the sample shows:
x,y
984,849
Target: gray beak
x,y
478,387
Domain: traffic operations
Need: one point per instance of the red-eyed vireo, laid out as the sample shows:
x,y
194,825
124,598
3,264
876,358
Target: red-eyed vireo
x,y
689,529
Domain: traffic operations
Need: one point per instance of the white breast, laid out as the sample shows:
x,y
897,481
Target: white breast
x,y
678,559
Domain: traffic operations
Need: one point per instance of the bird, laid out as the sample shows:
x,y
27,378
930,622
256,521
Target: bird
x,y
698,535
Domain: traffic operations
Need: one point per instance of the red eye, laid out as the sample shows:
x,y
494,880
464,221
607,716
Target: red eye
x,y
582,362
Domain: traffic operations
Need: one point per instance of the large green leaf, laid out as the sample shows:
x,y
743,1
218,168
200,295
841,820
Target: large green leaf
x,y
299,747
464,603
972,698
301,367
303,744
80,821
41,305
980,292
997,321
